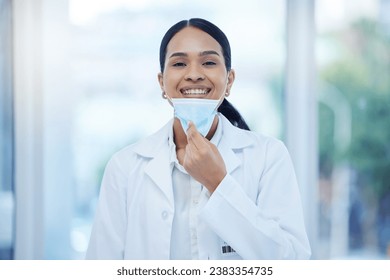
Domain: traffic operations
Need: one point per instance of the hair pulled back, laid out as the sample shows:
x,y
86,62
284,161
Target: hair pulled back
x,y
226,108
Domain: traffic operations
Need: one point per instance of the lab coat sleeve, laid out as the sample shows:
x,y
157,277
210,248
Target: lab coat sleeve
x,y
108,231
268,227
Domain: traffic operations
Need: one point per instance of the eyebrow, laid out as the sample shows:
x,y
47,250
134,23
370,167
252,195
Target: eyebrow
x,y
208,53
204,53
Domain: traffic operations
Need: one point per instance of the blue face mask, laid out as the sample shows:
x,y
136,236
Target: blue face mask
x,y
200,111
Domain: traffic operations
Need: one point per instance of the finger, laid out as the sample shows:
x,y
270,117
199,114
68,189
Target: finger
x,y
193,136
190,149
191,130
189,156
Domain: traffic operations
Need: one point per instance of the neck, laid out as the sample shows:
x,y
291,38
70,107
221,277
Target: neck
x,y
180,137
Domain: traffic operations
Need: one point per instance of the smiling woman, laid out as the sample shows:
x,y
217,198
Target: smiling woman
x,y
220,193
216,62
199,71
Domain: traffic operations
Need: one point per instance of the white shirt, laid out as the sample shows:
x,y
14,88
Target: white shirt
x,y
186,192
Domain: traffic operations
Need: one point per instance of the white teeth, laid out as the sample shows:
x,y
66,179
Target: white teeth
x,y
195,91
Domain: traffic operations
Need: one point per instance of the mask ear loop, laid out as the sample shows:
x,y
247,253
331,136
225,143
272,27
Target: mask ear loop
x,y
220,101
166,96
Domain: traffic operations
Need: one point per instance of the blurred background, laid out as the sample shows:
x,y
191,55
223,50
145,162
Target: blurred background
x,y
78,81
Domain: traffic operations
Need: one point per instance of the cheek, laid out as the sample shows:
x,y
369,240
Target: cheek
x,y
170,79
219,74
220,80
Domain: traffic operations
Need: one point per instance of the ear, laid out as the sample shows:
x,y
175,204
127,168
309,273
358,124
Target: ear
x,y
160,79
230,80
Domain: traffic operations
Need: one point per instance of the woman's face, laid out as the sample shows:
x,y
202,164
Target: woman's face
x,y
195,67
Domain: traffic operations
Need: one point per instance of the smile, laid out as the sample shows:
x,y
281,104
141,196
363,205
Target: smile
x,y
195,91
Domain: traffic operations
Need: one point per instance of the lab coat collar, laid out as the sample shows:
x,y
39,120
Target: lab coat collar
x,y
150,146
233,138
156,147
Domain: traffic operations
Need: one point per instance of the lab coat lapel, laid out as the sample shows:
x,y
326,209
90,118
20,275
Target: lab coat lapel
x,y
233,140
229,157
159,169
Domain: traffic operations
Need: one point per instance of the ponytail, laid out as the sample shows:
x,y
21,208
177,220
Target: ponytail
x,y
231,113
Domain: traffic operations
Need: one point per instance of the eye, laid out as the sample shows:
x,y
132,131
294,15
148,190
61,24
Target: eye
x,y
209,63
179,64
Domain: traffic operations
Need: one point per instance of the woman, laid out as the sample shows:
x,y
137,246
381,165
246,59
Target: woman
x,y
203,186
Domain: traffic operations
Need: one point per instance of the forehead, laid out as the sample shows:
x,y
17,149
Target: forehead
x,y
191,39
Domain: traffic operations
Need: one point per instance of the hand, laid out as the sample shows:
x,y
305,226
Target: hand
x,y
202,160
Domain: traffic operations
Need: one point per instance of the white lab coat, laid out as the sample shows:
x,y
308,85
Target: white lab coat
x,y
256,209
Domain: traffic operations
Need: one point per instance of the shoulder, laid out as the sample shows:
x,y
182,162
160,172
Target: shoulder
x,y
263,139
269,148
268,155
240,138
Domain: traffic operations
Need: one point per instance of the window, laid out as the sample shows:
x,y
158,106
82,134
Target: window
x,y
6,134
354,104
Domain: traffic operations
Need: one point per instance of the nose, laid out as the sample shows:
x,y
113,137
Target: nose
x,y
194,74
